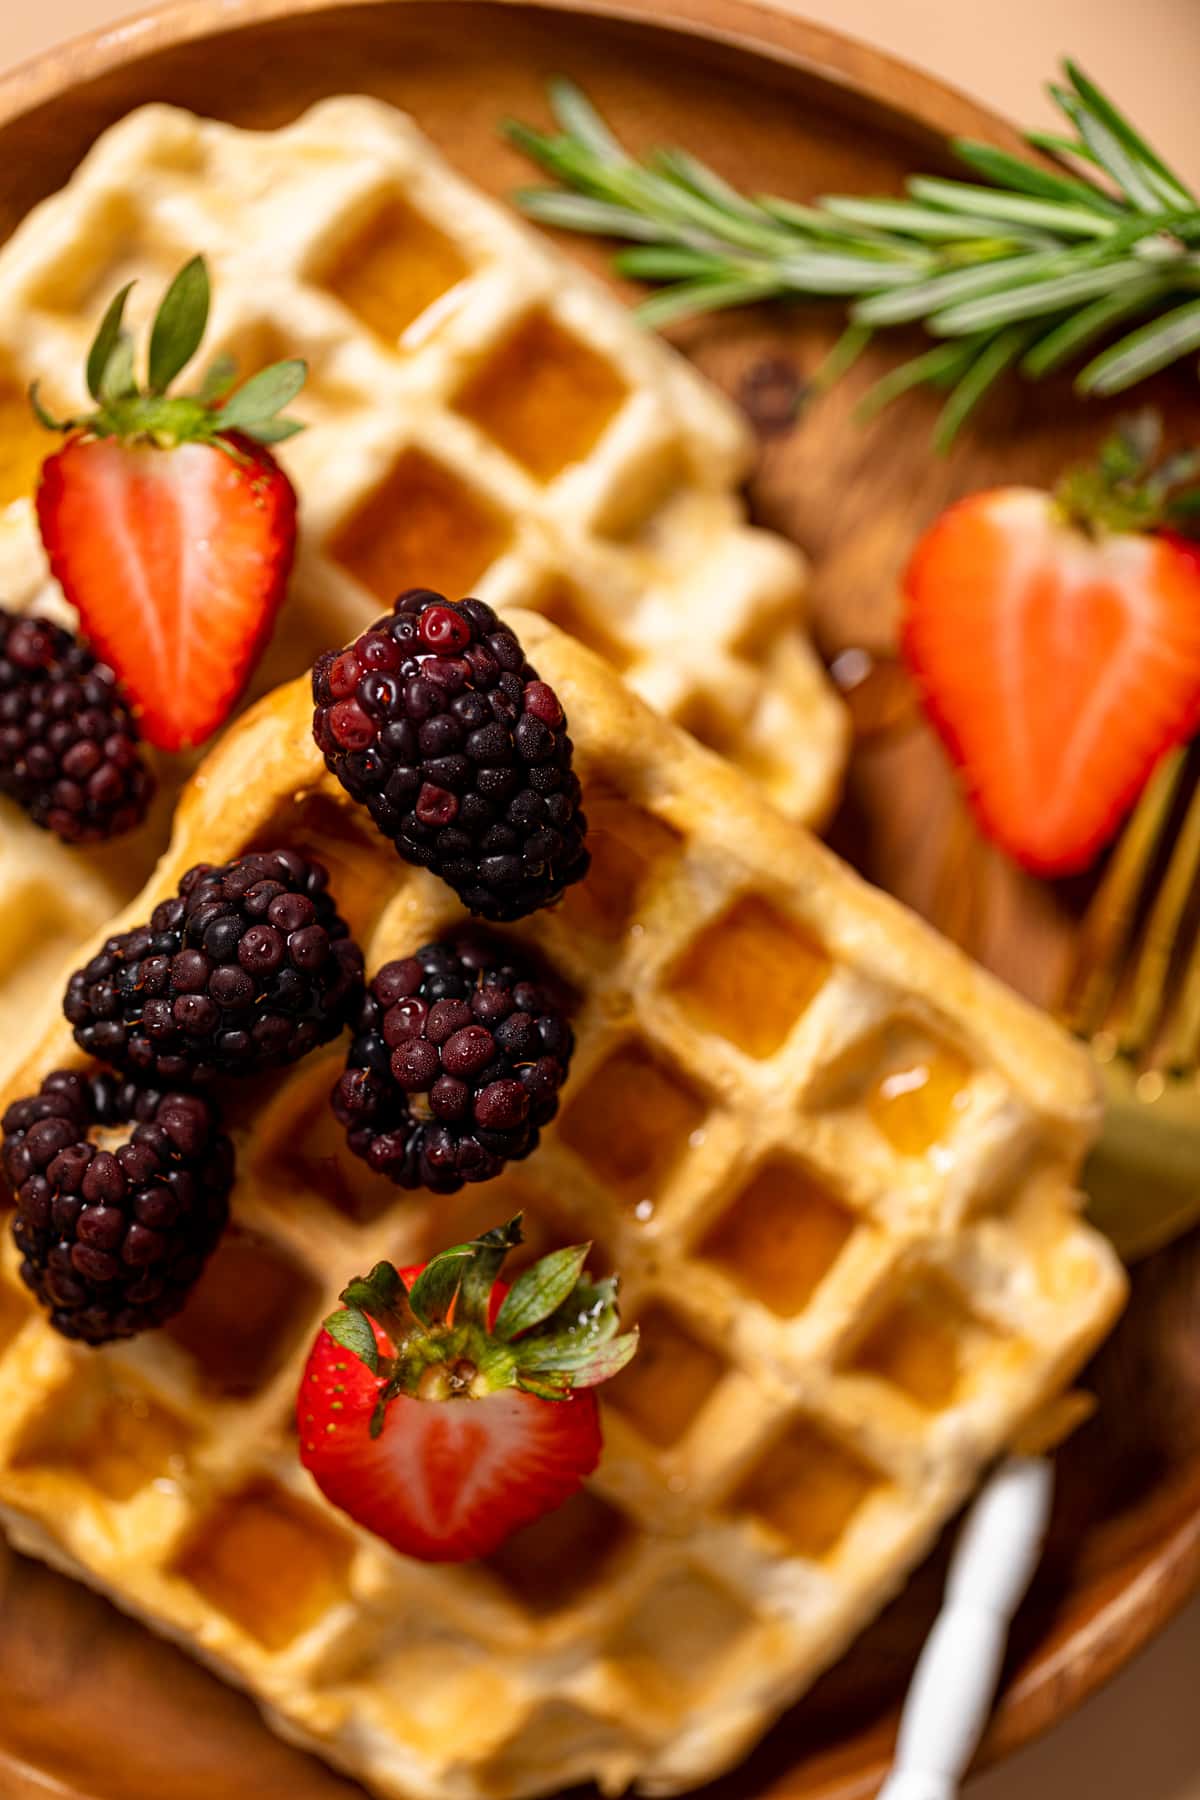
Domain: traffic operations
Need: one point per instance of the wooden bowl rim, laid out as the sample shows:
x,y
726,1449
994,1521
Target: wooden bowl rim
x,y
831,56
1162,1575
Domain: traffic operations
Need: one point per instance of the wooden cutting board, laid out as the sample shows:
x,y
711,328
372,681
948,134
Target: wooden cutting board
x,y
91,1706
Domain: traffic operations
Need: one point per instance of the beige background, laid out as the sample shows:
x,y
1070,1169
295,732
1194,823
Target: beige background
x,y
1140,1739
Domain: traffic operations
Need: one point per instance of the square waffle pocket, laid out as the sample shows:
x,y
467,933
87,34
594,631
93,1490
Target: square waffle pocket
x,y
836,1166
483,417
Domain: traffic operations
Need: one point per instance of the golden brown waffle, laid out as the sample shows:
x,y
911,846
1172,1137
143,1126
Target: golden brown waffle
x,y
483,417
52,897
836,1165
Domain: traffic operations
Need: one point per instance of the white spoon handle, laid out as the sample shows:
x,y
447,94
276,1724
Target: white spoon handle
x,y
955,1680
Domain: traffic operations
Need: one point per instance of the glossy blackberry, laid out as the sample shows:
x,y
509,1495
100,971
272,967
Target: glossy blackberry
x,y
249,968
456,1065
437,724
68,744
122,1191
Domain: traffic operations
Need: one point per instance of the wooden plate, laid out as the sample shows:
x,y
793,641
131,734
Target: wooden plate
x,y
91,1706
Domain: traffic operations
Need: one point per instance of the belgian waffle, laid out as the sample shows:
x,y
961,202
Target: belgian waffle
x,y
836,1166
53,896
483,417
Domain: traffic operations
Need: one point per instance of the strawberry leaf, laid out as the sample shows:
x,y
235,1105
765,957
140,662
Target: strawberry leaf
x,y
105,342
397,1383
479,1277
588,1314
258,400
1132,447
579,1340
379,1294
273,431
540,1290
179,325
1174,470
433,1292
544,1355
352,1330
218,378
608,1361
546,1387
42,416
1185,508
118,382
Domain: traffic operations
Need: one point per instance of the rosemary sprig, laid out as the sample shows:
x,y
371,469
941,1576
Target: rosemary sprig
x,y
1034,266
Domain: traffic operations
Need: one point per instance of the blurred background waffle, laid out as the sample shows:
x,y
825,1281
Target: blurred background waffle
x,y
484,417
836,1165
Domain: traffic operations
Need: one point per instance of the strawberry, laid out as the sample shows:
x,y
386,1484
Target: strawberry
x,y
1055,639
443,1409
167,521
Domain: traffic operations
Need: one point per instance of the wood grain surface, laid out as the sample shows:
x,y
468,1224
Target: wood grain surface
x,y
90,1702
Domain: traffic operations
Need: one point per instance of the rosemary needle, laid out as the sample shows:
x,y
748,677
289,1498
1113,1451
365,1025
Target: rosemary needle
x,y
1028,266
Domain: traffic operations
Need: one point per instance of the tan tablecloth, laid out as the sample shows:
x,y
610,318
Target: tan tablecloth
x,y
1140,1739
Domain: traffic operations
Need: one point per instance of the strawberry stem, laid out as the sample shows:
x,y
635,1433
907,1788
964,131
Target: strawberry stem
x,y
1128,488
556,1329
212,415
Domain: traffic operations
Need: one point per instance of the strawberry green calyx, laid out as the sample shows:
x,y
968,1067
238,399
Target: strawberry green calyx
x,y
150,414
1129,487
555,1330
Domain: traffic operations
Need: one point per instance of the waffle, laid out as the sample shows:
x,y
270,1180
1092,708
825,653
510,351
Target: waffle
x,y
835,1164
483,417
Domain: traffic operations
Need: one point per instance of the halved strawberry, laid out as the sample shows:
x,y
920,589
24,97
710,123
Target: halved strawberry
x,y
443,1409
166,520
1056,643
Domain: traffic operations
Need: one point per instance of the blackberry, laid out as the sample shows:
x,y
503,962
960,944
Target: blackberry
x,y
114,1225
455,1067
437,724
68,744
249,968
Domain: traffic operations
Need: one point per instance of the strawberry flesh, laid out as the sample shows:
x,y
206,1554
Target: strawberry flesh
x,y
446,1480
177,562
1057,665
